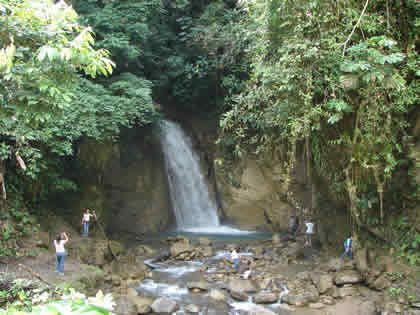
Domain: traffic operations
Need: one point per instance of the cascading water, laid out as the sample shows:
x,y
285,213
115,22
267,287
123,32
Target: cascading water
x,y
193,208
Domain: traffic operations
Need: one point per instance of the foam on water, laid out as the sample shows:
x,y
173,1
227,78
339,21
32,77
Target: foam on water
x,y
162,289
243,306
179,271
215,230
226,254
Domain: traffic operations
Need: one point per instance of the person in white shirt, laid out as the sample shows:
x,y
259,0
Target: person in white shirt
x,y
309,233
60,251
235,258
85,221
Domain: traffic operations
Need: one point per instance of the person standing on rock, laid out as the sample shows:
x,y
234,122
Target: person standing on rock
x,y
309,233
60,240
235,258
348,248
85,221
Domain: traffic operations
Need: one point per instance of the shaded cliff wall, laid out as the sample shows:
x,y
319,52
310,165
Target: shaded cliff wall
x,y
125,182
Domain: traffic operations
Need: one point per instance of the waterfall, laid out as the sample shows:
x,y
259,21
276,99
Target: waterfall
x,y
189,193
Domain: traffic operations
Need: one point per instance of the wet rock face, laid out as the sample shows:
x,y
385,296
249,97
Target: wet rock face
x,y
125,183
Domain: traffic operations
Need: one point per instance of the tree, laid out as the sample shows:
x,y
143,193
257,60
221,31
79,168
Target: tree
x,y
43,51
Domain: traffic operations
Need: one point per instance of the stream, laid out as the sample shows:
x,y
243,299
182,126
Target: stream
x,y
170,279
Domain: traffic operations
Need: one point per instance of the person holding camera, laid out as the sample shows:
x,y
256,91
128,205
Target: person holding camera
x,y
60,240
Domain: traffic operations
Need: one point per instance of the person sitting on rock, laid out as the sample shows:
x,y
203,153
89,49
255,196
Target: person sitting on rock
x,y
348,248
245,269
235,258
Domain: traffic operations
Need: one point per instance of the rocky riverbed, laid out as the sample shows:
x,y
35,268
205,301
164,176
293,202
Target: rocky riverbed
x,y
180,275
198,277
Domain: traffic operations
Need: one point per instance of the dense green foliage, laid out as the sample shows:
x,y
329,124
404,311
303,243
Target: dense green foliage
x,y
348,88
175,44
47,103
338,77
21,296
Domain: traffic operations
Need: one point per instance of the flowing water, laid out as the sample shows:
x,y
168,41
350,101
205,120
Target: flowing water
x,y
194,210
170,280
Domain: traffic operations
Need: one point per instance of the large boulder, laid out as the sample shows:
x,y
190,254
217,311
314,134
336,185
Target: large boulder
x,y
181,248
367,308
164,305
265,298
334,264
323,282
361,258
347,277
143,304
259,310
198,286
380,283
239,296
217,295
302,295
242,286
124,306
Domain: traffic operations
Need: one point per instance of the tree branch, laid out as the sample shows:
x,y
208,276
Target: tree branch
x,y
354,28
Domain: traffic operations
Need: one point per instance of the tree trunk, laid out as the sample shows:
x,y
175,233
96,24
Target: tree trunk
x,y
3,187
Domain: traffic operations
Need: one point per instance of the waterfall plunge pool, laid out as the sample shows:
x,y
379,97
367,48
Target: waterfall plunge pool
x,y
224,235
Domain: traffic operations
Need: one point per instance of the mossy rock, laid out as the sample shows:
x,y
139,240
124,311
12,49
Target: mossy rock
x,y
87,279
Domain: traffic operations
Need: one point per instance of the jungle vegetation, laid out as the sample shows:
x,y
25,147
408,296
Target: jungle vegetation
x,y
339,77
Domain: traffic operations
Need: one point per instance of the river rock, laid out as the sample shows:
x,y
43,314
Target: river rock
x,y
323,282
380,283
392,308
131,292
361,259
217,295
265,283
243,286
240,296
265,298
347,291
142,250
206,251
192,308
124,305
143,304
317,305
259,310
164,305
347,277
302,295
335,264
181,248
200,285
367,308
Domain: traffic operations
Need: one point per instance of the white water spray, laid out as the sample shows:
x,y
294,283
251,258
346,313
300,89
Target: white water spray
x,y
190,197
